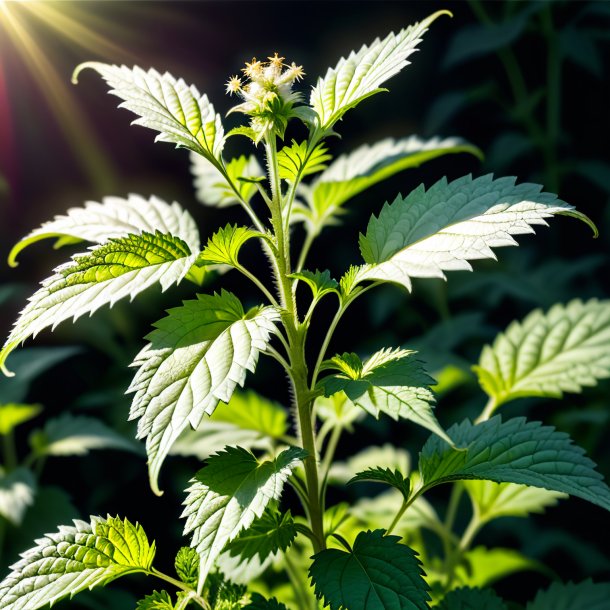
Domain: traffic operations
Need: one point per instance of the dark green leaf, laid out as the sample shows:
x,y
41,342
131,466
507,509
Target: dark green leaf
x,y
471,599
394,478
258,602
157,600
187,565
582,596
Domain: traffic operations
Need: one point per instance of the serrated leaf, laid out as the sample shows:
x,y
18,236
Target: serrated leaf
x,y
549,353
440,229
157,600
196,357
386,456
12,415
224,246
73,559
187,565
390,382
228,494
273,531
258,602
223,594
295,162
378,573
393,478
114,217
471,599
213,189
121,267
17,491
179,113
572,596
320,282
515,451
360,75
364,167
77,435
492,500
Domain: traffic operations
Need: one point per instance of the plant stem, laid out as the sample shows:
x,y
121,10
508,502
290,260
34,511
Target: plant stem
x,y
258,284
302,596
9,452
195,596
398,517
309,238
487,412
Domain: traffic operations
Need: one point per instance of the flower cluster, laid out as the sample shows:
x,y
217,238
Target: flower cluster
x,y
267,94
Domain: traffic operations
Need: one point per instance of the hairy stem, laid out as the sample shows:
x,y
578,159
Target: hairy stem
x,y
194,596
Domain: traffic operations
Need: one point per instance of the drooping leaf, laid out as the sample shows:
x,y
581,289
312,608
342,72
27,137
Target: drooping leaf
x,y
258,602
549,353
393,478
196,357
213,189
364,167
273,531
17,491
572,596
227,495
320,282
471,599
378,573
515,451
114,217
442,228
12,415
295,162
122,267
75,558
179,113
224,246
187,565
360,75
77,435
157,600
390,381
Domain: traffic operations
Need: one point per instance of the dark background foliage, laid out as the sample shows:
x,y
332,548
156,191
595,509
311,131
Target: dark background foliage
x,y
523,81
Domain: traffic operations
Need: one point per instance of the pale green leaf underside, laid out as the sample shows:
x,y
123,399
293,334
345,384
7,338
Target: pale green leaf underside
x,y
441,229
515,451
12,415
364,167
75,558
549,353
196,357
17,490
224,246
115,217
378,574
471,599
392,382
360,75
572,596
180,114
122,267
227,495
213,189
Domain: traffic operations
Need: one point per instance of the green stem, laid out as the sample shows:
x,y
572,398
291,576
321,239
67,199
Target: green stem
x,y
258,284
487,412
195,596
469,533
327,462
9,453
398,517
309,238
302,596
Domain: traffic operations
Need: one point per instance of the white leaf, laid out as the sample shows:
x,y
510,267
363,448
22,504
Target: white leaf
x,y
17,490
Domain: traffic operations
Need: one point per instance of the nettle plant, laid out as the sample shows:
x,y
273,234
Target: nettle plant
x,y
246,549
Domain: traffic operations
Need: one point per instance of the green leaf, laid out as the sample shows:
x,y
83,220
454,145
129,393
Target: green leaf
x,y
390,382
359,76
394,478
387,457
572,596
187,566
295,163
357,171
73,559
122,267
471,599
549,353
271,532
228,494
222,594
515,451
17,491
224,246
179,113
213,189
114,217
258,602
320,282
77,435
196,357
379,573
442,228
12,415
491,500
157,600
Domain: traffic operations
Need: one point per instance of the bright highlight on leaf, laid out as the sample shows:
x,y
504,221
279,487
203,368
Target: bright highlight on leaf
x,y
227,495
549,353
515,451
73,559
296,161
224,246
441,229
17,491
378,573
198,354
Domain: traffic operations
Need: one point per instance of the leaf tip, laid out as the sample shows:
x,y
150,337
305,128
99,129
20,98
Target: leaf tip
x,y
80,68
